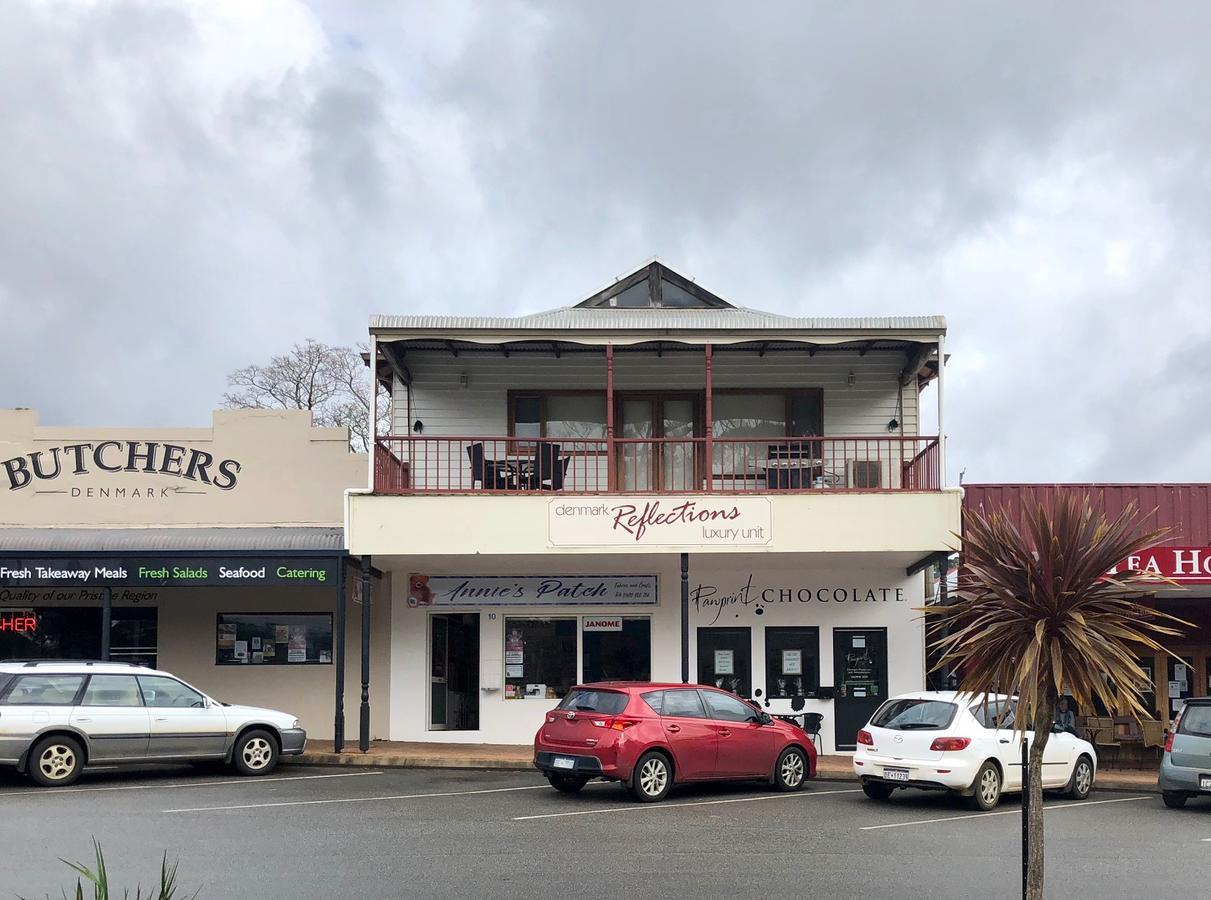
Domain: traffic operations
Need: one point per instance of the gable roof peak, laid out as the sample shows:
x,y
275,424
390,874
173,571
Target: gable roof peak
x,y
654,286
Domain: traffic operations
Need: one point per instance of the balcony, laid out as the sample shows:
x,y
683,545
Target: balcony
x,y
422,465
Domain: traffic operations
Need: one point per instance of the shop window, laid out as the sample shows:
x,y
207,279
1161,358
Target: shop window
x,y
74,632
621,654
274,639
540,658
792,662
725,659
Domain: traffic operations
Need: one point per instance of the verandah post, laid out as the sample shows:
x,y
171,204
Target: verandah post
x,y
685,618
338,723
364,723
709,424
611,461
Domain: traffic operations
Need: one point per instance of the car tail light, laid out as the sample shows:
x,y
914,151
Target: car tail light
x,y
1177,721
865,738
550,719
946,745
616,723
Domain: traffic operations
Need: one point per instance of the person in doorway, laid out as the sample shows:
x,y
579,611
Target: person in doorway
x,y
1065,717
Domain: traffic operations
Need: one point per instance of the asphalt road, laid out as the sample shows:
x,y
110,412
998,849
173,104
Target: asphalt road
x,y
313,832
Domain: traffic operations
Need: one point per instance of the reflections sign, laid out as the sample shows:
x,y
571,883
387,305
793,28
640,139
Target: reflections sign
x,y
531,590
659,521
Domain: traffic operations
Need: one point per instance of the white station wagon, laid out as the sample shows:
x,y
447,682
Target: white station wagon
x,y
56,717
946,741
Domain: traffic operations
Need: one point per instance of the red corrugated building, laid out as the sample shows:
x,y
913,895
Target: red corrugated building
x,y
1184,555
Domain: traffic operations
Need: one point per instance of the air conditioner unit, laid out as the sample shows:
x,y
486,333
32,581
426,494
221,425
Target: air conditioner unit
x,y
865,473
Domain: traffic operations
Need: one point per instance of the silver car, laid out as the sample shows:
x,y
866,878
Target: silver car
x,y
56,717
1186,765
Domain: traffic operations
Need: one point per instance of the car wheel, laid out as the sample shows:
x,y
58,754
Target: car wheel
x,y
1081,782
653,777
1174,799
567,784
56,761
255,753
791,770
877,791
986,790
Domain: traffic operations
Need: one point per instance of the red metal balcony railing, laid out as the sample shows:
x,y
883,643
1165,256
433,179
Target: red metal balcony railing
x,y
512,465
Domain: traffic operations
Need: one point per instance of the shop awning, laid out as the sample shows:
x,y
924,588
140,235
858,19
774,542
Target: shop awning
x,y
85,541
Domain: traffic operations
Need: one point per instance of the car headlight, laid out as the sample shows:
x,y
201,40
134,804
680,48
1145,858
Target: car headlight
x,y
296,724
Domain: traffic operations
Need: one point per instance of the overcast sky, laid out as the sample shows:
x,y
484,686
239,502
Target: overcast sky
x,y
186,188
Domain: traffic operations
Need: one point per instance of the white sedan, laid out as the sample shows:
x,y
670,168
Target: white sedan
x,y
943,740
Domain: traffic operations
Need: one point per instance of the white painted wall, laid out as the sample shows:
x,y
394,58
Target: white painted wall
x,y
481,408
516,721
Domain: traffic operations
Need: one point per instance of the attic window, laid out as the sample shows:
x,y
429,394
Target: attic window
x,y
655,286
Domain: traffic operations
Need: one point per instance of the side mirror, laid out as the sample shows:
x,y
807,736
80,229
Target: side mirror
x,y
765,718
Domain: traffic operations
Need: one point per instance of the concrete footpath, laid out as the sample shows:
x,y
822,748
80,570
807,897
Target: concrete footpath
x,y
518,757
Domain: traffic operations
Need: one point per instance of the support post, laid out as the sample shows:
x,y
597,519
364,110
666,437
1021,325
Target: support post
x,y
685,618
611,459
1025,813
107,620
709,424
941,409
363,738
342,600
372,428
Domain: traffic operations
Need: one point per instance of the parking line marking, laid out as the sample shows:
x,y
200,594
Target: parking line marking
x,y
1008,812
529,787
248,782
590,812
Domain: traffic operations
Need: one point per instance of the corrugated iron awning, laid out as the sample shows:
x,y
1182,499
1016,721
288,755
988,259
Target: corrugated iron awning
x,y
171,540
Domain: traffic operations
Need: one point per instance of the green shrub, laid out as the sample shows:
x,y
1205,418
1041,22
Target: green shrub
x,y
98,878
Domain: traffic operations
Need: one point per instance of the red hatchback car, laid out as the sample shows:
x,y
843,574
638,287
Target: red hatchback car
x,y
649,736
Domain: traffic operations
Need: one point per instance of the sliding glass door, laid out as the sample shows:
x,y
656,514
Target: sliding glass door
x,y
668,464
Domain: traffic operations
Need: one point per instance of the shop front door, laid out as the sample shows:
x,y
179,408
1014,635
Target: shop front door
x,y
454,672
860,680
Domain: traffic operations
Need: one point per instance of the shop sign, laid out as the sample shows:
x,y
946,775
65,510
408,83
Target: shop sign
x,y
531,590
164,571
1185,565
18,621
713,600
50,471
659,521
612,623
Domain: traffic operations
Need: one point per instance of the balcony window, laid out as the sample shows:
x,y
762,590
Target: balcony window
x,y
741,415
565,414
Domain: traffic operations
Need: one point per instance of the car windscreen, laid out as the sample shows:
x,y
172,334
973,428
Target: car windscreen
x,y
608,702
1196,720
914,714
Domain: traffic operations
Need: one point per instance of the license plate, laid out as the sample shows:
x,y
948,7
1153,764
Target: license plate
x,y
1204,782
563,762
896,774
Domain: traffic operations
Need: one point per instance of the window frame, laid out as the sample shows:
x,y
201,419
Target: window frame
x,y
788,396
516,394
532,617
269,615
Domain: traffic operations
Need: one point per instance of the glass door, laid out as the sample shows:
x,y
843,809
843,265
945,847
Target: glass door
x,y
860,680
725,659
656,460
439,648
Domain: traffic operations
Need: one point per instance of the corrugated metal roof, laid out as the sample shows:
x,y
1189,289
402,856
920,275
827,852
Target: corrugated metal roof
x,y
148,540
615,319
1186,508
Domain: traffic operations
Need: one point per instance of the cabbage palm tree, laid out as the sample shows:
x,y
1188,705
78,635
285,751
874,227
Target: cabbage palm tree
x,y
1036,614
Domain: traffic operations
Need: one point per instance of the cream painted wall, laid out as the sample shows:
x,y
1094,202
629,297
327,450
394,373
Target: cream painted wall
x,y
481,408
187,638
516,721
813,522
290,473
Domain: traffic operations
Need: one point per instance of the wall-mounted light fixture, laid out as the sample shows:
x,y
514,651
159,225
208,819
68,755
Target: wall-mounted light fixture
x,y
850,379
893,424
418,426
463,380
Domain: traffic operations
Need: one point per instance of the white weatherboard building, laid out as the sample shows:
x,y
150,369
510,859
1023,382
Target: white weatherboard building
x,y
652,484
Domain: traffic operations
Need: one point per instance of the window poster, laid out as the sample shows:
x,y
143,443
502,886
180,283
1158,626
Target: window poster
x,y
227,637
258,657
241,651
281,634
725,662
256,644
792,662
296,650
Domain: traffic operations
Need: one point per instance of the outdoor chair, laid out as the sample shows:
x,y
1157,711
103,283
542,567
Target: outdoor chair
x,y
811,724
491,474
549,468
1153,734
